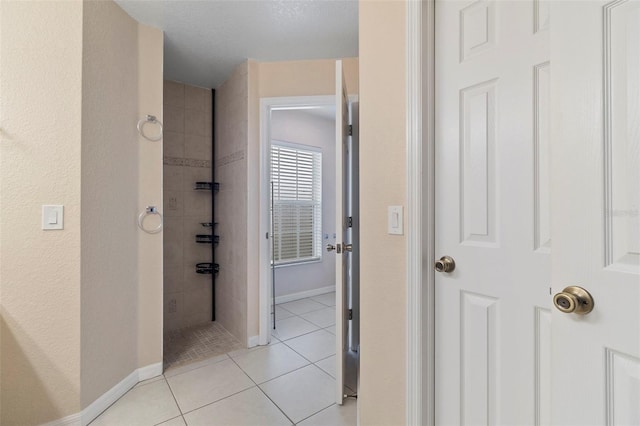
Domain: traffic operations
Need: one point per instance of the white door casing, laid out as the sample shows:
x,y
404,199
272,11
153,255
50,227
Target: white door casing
x,y
595,199
342,134
492,212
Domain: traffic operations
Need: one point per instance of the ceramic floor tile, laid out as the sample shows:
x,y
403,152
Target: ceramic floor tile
x,y
302,306
247,408
336,415
234,354
322,318
208,384
292,327
174,371
301,393
146,405
178,421
269,362
328,365
328,299
282,313
314,346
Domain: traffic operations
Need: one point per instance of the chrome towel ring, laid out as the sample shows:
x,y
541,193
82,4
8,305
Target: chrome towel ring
x,y
153,120
150,210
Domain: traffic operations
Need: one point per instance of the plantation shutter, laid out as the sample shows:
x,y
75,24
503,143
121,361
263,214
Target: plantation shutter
x,y
296,174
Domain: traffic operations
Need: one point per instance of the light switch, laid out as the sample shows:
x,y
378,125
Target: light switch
x,y
395,220
52,217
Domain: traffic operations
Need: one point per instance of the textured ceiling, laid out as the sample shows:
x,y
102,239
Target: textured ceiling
x,y
205,40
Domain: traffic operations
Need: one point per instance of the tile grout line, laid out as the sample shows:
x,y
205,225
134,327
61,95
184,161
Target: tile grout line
x,y
175,399
263,392
218,400
172,418
317,412
284,374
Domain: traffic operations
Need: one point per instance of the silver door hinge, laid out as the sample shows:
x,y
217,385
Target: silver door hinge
x,y
350,130
350,314
350,222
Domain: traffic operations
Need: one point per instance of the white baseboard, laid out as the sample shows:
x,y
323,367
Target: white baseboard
x,y
150,371
253,341
109,397
103,402
304,294
73,419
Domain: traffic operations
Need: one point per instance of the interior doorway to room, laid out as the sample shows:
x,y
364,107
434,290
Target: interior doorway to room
x,y
301,184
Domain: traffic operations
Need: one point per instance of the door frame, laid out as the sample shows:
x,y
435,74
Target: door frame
x,y
420,107
267,105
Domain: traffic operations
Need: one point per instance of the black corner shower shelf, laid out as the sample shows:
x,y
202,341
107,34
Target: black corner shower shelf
x,y
207,186
207,239
207,268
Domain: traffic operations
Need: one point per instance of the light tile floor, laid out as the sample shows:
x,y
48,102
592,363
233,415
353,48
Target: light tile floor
x,y
290,381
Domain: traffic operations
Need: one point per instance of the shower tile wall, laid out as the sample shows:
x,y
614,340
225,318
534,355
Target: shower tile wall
x,y
232,102
187,159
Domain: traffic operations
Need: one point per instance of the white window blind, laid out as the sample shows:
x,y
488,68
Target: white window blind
x,y
296,174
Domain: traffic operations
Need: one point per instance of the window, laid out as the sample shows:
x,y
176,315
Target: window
x,y
296,175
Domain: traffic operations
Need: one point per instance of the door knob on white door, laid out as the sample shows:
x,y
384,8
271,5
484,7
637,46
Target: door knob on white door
x,y
574,299
445,264
331,247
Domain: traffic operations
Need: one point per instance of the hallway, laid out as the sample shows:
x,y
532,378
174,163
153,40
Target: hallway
x,y
288,382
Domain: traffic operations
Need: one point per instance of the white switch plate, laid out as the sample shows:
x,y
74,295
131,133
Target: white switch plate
x,y
395,220
52,217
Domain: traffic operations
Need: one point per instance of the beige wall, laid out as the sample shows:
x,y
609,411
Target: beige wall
x,y
231,201
69,104
382,397
187,143
109,236
150,247
305,78
40,133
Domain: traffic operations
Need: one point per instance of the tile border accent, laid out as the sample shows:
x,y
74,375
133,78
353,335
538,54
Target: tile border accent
x,y
231,158
188,162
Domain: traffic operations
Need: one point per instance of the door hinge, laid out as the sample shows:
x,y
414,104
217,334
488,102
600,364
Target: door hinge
x,y
350,130
350,222
350,314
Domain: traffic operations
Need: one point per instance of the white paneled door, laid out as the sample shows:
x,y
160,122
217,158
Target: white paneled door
x,y
595,165
493,311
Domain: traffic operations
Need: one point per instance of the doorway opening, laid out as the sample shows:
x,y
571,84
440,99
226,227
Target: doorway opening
x,y
298,218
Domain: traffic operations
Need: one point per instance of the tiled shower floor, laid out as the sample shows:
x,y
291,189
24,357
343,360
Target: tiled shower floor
x,y
196,343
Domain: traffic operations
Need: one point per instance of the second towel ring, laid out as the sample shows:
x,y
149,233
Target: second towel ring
x,y
153,120
149,211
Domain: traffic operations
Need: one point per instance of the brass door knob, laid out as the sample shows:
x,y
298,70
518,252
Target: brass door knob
x,y
445,264
574,299
331,247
